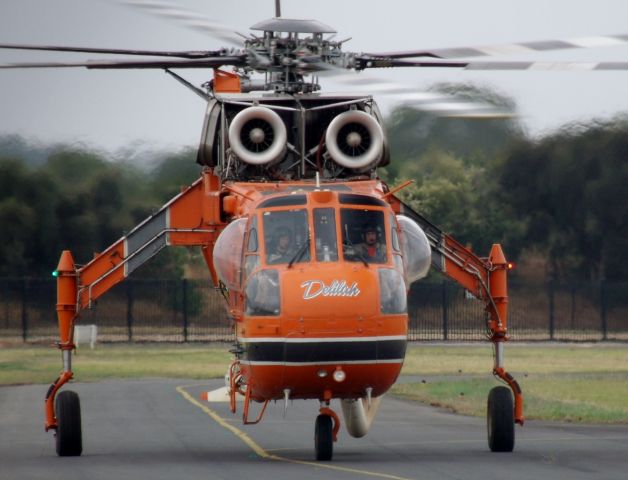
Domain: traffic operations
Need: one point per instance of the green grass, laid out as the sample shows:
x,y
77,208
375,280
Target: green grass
x,y
578,383
39,364
521,359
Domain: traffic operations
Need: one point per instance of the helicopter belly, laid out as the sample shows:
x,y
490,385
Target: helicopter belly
x,y
368,352
303,381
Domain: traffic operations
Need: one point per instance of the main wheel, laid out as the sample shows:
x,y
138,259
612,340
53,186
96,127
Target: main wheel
x,y
500,420
69,439
323,437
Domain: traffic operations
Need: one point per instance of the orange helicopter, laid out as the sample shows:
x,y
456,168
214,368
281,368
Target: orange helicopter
x,y
314,253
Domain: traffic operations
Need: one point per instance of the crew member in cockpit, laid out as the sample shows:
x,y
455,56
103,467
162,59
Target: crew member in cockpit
x,y
372,249
282,247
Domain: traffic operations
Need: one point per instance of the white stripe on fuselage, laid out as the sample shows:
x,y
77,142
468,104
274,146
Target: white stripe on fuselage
x,y
318,339
304,364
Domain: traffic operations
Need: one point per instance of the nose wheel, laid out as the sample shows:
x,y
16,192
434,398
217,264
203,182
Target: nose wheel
x,y
323,438
500,420
325,433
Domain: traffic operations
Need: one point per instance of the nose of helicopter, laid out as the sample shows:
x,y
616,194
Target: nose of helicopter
x,y
330,292
331,333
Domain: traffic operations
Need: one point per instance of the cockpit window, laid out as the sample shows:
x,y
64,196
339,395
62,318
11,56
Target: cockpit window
x,y
251,257
363,235
285,201
286,237
325,234
360,199
252,243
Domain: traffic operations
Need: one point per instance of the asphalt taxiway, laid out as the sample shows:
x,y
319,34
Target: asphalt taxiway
x,y
158,429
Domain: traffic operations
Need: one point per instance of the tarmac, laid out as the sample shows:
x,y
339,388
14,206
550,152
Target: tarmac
x,y
159,429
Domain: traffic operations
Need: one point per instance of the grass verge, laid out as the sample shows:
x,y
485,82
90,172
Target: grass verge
x,y
40,364
579,383
574,383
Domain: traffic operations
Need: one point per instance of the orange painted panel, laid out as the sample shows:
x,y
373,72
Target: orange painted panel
x,y
269,381
100,266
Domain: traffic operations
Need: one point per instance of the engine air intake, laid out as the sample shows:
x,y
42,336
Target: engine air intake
x,y
355,140
257,136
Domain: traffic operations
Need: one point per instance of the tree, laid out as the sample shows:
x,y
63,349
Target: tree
x,y
570,189
452,161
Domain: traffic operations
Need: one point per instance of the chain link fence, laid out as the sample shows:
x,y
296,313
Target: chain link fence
x,y
193,311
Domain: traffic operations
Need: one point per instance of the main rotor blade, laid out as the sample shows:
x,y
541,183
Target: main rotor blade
x,y
509,48
130,64
435,103
114,51
187,18
555,66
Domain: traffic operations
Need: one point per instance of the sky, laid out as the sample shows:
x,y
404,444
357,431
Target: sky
x,y
113,110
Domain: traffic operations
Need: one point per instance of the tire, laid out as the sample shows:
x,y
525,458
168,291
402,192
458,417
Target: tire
x,y
323,438
69,439
500,420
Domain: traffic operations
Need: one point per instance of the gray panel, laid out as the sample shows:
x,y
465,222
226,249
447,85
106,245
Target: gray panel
x,y
293,25
147,239
145,254
460,52
499,65
612,66
549,45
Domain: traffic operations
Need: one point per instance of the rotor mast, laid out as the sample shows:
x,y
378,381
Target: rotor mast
x,y
289,50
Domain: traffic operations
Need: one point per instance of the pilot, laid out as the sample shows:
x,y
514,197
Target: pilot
x,y
372,249
282,247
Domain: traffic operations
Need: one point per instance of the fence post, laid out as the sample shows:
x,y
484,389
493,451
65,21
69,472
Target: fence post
x,y
603,308
184,286
5,288
550,293
129,310
573,308
24,311
445,311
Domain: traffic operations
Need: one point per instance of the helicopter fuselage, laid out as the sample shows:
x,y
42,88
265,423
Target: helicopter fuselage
x,y
326,317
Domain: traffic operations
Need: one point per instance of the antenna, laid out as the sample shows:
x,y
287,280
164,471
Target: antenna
x,y
277,8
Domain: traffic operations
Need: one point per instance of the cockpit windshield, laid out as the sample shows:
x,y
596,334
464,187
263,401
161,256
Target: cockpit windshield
x,y
288,239
363,235
286,236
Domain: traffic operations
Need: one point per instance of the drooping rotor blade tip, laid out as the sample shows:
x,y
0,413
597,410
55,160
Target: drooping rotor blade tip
x,y
509,48
186,18
363,64
450,106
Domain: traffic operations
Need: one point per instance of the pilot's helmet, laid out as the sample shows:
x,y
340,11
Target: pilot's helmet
x,y
370,228
283,232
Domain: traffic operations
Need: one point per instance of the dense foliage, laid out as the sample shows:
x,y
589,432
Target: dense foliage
x,y
568,190
561,197
78,200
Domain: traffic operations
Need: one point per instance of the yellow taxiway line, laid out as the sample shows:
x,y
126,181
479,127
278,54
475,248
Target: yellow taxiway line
x,y
261,452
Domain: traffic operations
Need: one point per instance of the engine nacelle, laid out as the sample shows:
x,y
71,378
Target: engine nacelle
x,y
257,136
355,140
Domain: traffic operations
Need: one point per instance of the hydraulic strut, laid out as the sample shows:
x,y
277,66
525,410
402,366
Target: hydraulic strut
x,y
485,278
